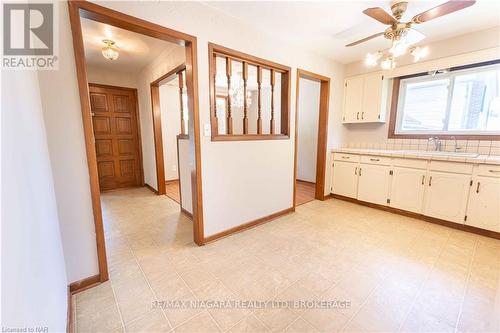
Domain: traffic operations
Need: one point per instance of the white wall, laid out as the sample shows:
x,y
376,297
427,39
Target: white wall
x,y
466,49
113,78
34,284
63,122
185,175
307,142
171,126
165,62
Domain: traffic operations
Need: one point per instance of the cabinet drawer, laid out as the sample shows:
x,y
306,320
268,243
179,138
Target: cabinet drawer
x,y
346,157
488,170
410,163
451,167
380,160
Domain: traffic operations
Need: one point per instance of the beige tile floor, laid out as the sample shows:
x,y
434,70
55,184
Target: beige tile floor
x,y
399,274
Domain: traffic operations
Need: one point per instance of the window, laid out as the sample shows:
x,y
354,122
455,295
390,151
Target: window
x,y
249,97
464,101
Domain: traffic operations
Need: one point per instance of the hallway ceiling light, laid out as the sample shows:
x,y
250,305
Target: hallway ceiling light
x,y
109,51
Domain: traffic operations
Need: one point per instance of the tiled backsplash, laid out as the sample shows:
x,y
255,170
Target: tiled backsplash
x,y
469,146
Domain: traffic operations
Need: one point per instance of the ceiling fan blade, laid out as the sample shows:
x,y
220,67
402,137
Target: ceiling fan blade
x,y
414,36
441,10
365,39
380,15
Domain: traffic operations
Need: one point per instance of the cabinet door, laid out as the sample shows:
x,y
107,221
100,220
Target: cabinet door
x,y
353,99
484,204
372,98
345,179
407,189
446,196
373,183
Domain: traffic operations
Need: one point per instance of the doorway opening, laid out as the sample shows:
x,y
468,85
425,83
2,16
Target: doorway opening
x,y
311,123
131,144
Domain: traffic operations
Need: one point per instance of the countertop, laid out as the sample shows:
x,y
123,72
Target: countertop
x,y
424,155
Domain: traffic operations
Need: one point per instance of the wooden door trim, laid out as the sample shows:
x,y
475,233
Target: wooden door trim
x,y
324,102
137,119
78,9
154,88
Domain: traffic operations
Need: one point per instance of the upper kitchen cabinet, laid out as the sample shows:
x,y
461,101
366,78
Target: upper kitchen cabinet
x,y
365,98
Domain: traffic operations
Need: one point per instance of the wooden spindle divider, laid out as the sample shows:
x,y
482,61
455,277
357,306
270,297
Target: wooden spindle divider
x,y
245,106
259,107
229,118
213,86
272,101
180,76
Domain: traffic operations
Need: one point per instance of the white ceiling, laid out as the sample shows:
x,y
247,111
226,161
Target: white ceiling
x,y
325,27
136,50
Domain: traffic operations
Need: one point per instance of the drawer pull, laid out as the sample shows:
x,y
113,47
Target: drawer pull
x,y
494,171
346,157
362,115
357,116
359,171
356,171
477,188
374,159
430,181
423,179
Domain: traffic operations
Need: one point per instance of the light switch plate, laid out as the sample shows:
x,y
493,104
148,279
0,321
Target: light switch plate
x,y
207,130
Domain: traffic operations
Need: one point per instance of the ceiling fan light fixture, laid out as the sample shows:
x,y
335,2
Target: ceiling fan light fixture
x,y
388,63
419,53
372,59
399,47
109,51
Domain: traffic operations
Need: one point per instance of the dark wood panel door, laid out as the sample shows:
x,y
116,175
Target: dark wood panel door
x,y
116,132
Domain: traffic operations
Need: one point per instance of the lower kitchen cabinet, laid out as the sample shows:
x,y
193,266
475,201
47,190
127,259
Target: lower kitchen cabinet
x,y
484,204
446,196
374,182
345,179
407,189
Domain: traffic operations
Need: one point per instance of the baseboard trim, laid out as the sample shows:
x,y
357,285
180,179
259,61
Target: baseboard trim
x,y
149,187
84,284
248,225
185,212
69,320
306,181
462,227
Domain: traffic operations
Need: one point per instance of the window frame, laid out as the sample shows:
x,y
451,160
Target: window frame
x,y
396,113
218,50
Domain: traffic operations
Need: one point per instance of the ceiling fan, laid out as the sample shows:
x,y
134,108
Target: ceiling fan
x,y
403,30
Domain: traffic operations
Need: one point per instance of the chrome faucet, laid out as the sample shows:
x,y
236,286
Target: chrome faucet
x,y
457,148
437,143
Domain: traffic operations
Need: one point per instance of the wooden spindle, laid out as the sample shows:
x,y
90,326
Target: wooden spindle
x,y
259,110
214,90
181,88
245,106
229,115
272,101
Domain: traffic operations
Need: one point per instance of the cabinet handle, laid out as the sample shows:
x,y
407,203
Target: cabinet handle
x,y
423,179
477,188
346,157
356,171
494,171
362,115
360,171
374,159
357,116
430,181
